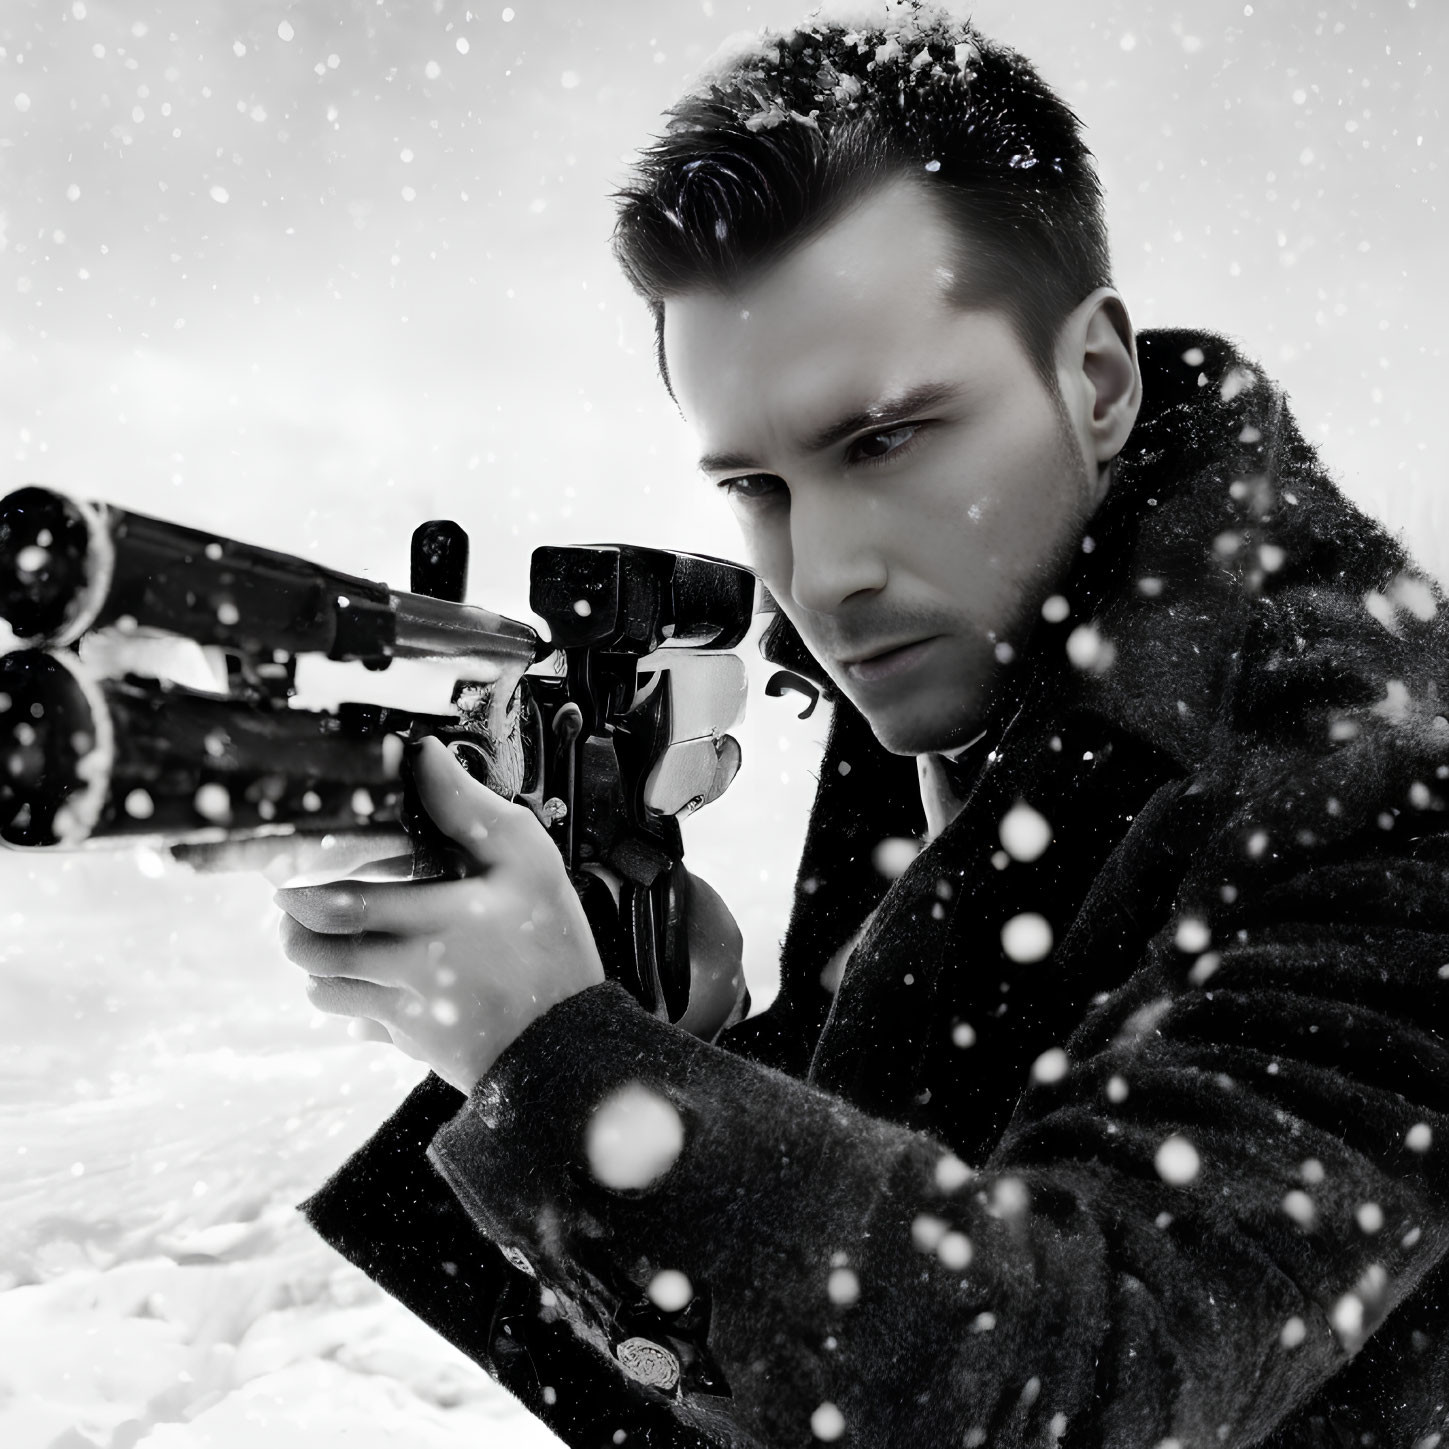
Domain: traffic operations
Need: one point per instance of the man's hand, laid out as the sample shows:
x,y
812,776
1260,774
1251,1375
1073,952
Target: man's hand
x,y
452,970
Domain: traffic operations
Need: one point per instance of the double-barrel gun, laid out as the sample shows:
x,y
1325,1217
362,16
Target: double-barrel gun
x,y
232,701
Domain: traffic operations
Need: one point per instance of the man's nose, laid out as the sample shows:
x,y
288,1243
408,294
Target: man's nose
x,y
835,551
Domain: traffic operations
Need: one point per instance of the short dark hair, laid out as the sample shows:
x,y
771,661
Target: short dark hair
x,y
780,140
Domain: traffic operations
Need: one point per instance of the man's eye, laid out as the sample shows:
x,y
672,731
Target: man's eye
x,y
754,485
881,445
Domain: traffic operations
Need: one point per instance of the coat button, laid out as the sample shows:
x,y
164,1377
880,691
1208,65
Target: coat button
x,y
647,1363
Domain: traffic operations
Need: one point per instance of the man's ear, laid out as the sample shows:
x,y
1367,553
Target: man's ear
x,y
1101,381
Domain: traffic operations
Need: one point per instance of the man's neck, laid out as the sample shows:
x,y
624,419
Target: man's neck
x,y
940,796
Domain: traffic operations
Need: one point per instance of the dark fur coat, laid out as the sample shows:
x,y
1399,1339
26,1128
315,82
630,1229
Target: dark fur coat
x,y
1183,1181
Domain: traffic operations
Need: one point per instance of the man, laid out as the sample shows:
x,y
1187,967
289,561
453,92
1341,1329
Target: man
x,y
1120,1117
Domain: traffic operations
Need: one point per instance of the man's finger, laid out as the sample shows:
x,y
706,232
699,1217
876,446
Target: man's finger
x,y
422,907
338,908
465,809
382,961
343,996
398,908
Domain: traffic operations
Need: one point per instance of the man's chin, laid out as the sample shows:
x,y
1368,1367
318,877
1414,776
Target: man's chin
x,y
906,730
936,703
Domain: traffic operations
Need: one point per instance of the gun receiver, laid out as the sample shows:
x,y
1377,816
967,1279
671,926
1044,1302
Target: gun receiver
x,y
611,730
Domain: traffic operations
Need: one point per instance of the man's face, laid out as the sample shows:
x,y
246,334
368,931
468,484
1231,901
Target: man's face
x,y
907,486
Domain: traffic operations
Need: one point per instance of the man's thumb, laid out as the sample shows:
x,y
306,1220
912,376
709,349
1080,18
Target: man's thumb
x,y
463,808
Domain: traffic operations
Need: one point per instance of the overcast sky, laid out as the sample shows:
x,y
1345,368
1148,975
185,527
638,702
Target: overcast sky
x,y
308,271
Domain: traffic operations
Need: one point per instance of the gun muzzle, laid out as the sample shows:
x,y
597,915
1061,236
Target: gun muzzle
x,y
68,566
82,757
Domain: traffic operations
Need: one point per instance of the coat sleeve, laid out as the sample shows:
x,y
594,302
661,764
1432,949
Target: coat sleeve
x,y
1197,1217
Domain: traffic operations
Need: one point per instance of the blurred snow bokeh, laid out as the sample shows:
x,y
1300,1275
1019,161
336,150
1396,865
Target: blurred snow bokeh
x,y
307,273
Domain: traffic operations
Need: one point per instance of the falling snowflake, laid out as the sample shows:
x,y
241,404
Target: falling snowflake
x,y
1177,1161
827,1423
1025,833
893,856
633,1138
1027,937
670,1290
1051,1066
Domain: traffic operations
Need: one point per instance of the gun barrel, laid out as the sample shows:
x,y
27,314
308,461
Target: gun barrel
x,y
82,757
427,628
67,566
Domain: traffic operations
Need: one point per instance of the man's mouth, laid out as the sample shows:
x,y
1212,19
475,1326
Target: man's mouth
x,y
887,663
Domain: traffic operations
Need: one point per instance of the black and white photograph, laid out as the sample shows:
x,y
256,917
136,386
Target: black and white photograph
x,y
724,724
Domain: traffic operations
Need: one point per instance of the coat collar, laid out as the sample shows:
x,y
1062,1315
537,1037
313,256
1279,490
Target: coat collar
x,y
1176,556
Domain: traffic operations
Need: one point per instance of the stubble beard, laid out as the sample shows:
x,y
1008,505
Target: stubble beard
x,y
978,696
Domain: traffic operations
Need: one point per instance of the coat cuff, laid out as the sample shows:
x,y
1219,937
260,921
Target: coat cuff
x,y
521,1131
520,1143
636,1171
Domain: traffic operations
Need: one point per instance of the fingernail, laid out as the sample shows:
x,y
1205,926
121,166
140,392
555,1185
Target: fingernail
x,y
346,909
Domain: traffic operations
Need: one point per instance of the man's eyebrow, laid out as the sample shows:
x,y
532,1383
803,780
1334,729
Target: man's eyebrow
x,y
895,408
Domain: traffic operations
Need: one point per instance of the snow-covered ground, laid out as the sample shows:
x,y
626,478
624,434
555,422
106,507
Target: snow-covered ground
x,y
308,271
170,1098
